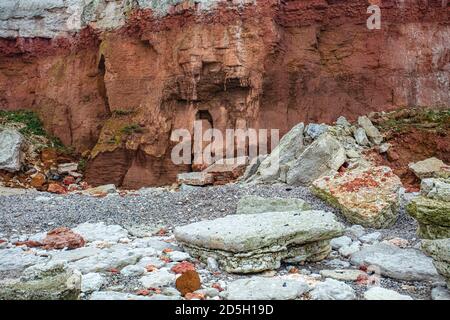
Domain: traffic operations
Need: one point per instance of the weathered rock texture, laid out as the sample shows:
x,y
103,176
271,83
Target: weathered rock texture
x,y
432,209
256,242
119,76
368,197
439,250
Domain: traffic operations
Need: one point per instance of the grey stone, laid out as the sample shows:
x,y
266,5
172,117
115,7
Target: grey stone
x,y
50,281
255,204
342,274
361,137
10,150
260,288
15,259
440,293
397,263
74,255
65,168
438,189
100,232
253,167
324,156
212,264
342,121
178,256
336,263
340,242
208,292
332,289
346,251
151,261
116,257
356,231
155,243
372,132
314,130
258,242
384,148
378,293
439,250
92,282
430,168
133,271
289,148
371,237
156,279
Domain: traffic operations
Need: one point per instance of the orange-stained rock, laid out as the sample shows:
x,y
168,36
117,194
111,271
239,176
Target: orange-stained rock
x,y
56,188
194,296
188,282
38,180
68,180
182,267
61,238
227,170
49,157
29,243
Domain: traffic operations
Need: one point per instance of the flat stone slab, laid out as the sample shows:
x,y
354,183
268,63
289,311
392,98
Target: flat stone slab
x,y
101,232
243,233
260,288
332,289
397,263
258,242
255,204
342,274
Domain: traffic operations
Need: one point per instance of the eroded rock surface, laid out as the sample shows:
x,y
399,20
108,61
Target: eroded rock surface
x,y
432,209
257,242
439,250
10,150
397,263
367,197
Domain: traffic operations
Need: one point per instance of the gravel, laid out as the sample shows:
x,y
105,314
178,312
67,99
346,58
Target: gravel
x,y
153,207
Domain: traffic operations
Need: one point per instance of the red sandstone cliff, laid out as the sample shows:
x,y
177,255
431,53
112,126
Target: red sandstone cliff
x,y
120,93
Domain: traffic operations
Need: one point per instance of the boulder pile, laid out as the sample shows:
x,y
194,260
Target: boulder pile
x,y
317,150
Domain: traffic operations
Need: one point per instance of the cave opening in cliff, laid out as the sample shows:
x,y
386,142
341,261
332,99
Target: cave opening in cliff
x,y
205,119
101,83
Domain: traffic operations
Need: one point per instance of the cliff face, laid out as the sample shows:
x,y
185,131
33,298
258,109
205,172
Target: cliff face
x,y
117,77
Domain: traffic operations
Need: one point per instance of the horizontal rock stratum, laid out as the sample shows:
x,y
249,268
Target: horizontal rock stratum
x,y
257,242
116,77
